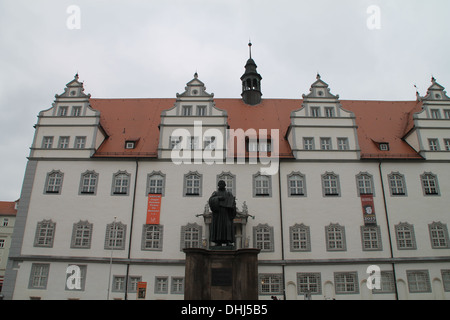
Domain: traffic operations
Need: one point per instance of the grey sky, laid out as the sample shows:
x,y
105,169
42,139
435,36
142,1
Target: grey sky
x,y
136,48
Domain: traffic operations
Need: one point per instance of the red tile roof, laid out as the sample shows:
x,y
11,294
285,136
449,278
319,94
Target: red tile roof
x,y
7,208
377,121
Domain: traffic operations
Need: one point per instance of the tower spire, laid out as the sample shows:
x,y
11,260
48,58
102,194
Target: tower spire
x,y
251,81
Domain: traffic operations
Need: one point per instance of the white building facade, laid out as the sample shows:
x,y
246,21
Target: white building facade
x,y
81,230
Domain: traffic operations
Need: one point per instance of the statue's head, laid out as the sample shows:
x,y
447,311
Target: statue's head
x,y
222,185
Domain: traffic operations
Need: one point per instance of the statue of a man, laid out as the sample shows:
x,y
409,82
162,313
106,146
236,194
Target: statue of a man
x,y
223,207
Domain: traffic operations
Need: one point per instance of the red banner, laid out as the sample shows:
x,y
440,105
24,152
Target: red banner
x,y
368,209
153,208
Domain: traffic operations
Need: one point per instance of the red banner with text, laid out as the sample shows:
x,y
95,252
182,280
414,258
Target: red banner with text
x,y
368,209
153,208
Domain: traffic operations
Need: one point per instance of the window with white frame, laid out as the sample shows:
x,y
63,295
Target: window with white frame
x,y
161,285
438,235
47,142
263,238
330,184
406,239
342,143
364,183
309,283
433,144
133,282
191,236
371,238
325,144
296,184
346,282
262,185
152,236
63,142
300,238
397,184
156,183
193,143
335,237
270,283
121,183
80,142
447,144
118,283
39,276
418,281
115,236
308,143
88,183
193,184
429,184
45,234
81,235
177,286
53,184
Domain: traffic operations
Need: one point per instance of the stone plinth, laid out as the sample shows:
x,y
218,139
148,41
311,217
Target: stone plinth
x,y
221,274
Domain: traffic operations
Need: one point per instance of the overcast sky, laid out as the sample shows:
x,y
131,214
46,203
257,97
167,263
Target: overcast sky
x,y
150,49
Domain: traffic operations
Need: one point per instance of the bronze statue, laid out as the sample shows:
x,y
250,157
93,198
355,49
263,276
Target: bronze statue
x,y
223,207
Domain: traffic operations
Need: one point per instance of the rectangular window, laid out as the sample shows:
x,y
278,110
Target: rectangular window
x,y
121,182
309,283
346,282
62,111
329,112
152,237
47,143
76,111
262,185
118,284
201,111
325,143
335,237
447,144
63,142
429,184
433,144
342,143
447,113
161,285
39,276
270,284
187,110
296,185
89,183
80,142
418,281
405,236
315,112
330,184
177,285
209,143
308,143
397,184
371,240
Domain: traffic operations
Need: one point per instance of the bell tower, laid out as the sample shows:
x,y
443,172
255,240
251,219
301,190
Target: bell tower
x,y
251,82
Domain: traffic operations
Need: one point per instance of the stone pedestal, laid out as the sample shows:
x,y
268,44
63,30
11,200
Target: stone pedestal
x,y
221,274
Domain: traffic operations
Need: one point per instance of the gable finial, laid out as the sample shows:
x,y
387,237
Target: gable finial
x,y
250,48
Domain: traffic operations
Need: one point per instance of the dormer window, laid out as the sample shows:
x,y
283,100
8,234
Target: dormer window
x,y
201,110
315,112
130,144
384,146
